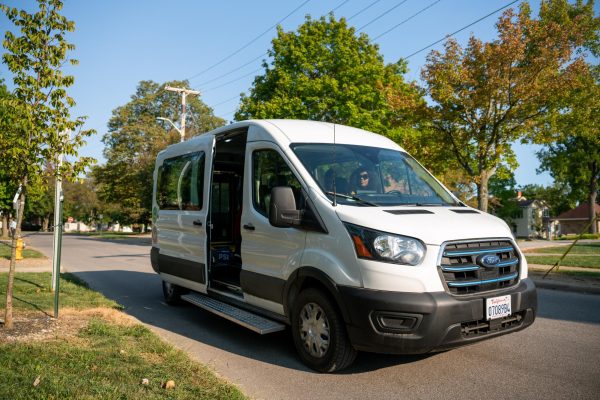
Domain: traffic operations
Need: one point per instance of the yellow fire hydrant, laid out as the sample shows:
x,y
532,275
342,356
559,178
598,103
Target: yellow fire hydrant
x,y
19,255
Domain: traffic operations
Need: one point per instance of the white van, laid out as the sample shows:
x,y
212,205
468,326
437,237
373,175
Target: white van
x,y
336,232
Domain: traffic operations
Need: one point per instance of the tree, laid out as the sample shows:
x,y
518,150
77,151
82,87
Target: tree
x,y
489,95
133,140
326,72
574,159
81,201
40,104
7,188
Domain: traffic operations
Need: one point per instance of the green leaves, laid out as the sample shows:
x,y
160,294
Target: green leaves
x,y
134,138
324,71
489,95
40,105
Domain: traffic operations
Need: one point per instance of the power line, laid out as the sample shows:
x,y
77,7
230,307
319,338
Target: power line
x,y
407,19
381,15
232,71
363,10
341,4
255,58
237,96
231,81
461,29
250,42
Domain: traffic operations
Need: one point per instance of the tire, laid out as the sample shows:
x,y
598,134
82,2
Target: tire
x,y
172,293
319,333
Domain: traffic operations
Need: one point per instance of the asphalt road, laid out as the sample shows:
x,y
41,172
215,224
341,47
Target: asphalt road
x,y
556,358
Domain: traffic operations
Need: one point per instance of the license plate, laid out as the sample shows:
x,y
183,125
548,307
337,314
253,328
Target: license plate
x,y
497,307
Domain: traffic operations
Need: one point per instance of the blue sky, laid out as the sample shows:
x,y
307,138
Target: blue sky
x,y
119,43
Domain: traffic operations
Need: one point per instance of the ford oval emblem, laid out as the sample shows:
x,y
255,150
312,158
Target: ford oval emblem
x,y
489,260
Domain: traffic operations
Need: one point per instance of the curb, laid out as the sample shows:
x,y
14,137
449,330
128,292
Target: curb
x,y
542,283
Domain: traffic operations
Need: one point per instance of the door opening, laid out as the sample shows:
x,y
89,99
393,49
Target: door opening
x,y
225,243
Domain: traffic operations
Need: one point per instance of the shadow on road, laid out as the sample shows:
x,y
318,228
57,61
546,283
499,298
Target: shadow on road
x,y
141,295
559,305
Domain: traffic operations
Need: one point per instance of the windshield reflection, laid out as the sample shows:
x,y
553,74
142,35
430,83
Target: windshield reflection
x,y
363,175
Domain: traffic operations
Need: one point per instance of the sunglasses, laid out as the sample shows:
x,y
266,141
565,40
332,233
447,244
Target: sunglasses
x,y
364,176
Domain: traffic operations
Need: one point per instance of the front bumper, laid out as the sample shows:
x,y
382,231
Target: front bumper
x,y
416,323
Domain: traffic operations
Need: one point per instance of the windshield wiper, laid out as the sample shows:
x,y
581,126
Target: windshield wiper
x,y
345,196
426,204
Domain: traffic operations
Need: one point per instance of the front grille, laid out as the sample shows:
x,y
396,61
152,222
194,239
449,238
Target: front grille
x,y
465,270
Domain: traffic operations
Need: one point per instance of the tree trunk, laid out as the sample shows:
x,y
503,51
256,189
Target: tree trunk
x,y
482,190
8,312
4,233
45,222
593,195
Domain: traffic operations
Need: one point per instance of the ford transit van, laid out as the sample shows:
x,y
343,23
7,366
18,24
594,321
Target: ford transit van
x,y
337,233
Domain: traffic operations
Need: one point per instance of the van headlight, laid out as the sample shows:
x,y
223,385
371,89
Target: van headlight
x,y
382,246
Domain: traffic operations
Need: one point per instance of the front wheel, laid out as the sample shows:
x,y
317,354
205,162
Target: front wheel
x,y
172,293
319,333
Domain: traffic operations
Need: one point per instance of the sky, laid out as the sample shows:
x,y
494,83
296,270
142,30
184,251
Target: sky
x,y
219,47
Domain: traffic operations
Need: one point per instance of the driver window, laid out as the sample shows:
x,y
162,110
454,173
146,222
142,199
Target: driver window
x,y
268,171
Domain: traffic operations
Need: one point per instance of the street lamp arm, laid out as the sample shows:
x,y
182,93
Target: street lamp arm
x,y
171,122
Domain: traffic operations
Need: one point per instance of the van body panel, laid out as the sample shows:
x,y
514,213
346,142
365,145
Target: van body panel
x,y
441,225
266,250
181,234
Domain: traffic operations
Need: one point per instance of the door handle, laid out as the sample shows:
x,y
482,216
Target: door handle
x,y
197,222
249,227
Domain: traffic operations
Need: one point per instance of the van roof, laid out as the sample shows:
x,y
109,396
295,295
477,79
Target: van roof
x,y
287,131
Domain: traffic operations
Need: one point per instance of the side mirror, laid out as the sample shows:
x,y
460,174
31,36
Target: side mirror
x,y
282,211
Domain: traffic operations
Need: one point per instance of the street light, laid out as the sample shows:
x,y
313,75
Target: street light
x,y
181,133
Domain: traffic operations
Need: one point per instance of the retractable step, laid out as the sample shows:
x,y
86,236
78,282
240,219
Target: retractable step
x,y
242,317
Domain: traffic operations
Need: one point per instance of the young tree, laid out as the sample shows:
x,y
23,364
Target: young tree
x,y
134,138
324,71
40,104
489,95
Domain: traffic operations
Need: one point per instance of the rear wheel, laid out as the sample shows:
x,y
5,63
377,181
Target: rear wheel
x,y
172,293
319,333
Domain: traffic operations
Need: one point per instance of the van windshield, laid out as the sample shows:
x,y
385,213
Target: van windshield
x,y
371,176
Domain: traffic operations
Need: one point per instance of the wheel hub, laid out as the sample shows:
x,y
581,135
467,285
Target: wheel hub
x,y
314,330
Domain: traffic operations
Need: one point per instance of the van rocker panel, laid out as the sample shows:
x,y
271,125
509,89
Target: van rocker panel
x,y
437,319
186,269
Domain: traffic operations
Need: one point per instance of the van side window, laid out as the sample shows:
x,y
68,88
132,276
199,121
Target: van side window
x,y
180,182
270,170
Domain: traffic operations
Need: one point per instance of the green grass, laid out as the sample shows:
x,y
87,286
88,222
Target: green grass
x,y
569,261
104,359
583,248
584,236
107,361
32,291
5,250
109,235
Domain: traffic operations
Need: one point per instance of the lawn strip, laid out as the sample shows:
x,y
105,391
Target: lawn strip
x,y
92,351
584,248
569,261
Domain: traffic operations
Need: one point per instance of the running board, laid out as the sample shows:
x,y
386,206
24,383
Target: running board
x,y
247,319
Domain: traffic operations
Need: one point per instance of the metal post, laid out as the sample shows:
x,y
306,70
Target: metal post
x,y
57,256
58,199
57,225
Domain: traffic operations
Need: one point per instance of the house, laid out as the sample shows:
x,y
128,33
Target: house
x,y
532,219
573,221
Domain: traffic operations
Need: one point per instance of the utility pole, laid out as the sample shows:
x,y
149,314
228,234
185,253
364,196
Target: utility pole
x,y
184,93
